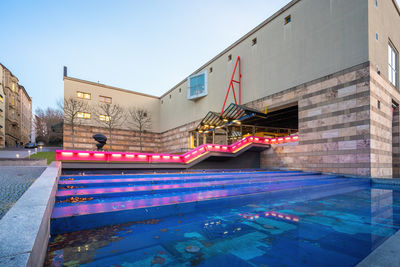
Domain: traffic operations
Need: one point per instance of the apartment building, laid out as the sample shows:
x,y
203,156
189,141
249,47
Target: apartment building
x,y
327,68
16,107
2,107
26,116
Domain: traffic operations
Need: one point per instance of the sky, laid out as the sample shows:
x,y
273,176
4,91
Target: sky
x,y
146,46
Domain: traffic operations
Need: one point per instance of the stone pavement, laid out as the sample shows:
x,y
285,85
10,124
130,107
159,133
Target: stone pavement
x,y
14,181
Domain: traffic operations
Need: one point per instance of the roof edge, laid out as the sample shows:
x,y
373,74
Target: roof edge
x,y
109,87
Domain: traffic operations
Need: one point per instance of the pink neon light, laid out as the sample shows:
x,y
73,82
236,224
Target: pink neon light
x,y
110,156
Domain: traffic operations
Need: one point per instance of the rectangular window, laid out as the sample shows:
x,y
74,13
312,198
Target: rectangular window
x,y
106,99
393,65
288,19
84,95
1,99
84,115
254,42
197,85
104,118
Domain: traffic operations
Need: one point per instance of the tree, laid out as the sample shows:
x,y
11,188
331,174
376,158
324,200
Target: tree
x,y
46,124
111,116
71,106
140,119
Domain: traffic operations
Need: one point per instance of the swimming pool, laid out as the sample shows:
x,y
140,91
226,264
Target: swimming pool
x,y
237,218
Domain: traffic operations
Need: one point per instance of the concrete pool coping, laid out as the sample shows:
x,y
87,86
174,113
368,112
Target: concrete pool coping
x,y
25,228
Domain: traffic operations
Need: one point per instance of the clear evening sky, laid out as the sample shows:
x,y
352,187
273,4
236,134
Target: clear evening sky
x,y
145,46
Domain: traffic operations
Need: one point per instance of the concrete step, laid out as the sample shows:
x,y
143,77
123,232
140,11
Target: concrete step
x,y
99,181
99,212
151,189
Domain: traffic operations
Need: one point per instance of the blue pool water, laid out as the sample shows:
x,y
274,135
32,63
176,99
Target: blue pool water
x,y
239,219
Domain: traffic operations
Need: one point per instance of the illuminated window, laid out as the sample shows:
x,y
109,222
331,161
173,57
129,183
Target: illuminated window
x,y
106,99
13,87
197,85
84,115
12,100
1,99
84,95
393,66
104,118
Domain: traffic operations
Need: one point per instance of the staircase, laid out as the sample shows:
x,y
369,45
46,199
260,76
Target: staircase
x,y
91,201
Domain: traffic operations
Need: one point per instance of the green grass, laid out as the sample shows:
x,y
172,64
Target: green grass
x,y
50,156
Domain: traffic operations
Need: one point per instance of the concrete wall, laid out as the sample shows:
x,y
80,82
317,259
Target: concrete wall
x,y
325,36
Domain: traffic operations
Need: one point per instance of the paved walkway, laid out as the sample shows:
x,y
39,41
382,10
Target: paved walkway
x,y
14,181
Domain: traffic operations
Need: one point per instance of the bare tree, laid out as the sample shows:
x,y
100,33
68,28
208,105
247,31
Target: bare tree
x,y
48,123
71,106
111,116
140,119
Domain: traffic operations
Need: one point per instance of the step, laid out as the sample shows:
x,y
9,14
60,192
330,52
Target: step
x,y
98,182
104,192
121,210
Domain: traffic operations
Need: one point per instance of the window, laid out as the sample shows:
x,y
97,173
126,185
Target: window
x,y
1,99
211,69
13,87
393,66
197,85
288,19
84,95
377,36
84,115
170,96
105,99
180,90
254,42
376,3
104,118
229,57
379,104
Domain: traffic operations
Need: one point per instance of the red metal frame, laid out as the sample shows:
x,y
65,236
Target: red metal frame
x,y
237,66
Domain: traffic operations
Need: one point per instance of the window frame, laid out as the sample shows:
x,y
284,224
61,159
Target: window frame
x,y
204,92
83,95
393,71
84,115
104,118
103,99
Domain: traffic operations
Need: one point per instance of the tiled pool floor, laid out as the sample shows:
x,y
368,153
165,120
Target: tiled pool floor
x,y
334,230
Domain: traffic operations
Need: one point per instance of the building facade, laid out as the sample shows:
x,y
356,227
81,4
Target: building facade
x,y
26,116
16,107
336,61
2,107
